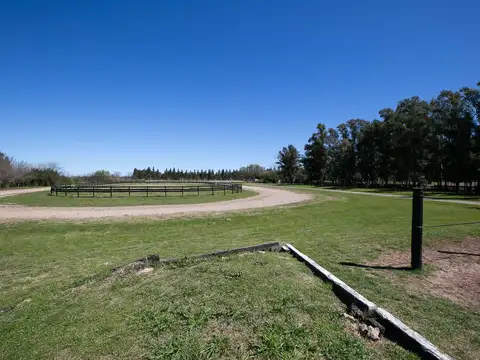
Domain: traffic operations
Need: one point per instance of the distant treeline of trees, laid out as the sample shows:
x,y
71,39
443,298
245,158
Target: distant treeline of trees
x,y
419,142
248,173
15,173
19,173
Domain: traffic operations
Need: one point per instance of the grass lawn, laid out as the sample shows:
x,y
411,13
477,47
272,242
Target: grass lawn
x,y
255,305
167,184
59,303
428,193
71,200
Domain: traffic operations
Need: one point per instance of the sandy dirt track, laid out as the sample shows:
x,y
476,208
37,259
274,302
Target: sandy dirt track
x,y
5,193
266,197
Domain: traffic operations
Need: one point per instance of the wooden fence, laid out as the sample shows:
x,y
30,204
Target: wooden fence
x,y
64,190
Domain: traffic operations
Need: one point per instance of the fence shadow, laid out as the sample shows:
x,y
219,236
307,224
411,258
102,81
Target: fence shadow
x,y
457,253
375,267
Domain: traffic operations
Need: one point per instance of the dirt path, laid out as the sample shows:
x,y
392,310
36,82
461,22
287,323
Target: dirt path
x,y
266,197
5,193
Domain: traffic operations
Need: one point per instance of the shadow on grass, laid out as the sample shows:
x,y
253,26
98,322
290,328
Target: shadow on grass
x,y
375,267
457,253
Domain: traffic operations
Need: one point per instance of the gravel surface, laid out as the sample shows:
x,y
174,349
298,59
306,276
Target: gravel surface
x,y
266,197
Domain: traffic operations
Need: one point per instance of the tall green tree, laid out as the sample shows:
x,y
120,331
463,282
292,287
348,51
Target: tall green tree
x,y
412,133
455,130
288,161
315,157
471,98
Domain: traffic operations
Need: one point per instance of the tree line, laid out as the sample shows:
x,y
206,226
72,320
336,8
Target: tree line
x,y
253,172
419,142
19,173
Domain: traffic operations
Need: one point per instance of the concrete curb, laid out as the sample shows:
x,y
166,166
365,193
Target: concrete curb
x,y
154,260
394,328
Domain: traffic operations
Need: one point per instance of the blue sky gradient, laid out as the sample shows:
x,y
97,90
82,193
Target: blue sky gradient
x,y
214,84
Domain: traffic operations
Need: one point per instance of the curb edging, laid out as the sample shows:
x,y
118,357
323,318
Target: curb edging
x,y
153,260
398,331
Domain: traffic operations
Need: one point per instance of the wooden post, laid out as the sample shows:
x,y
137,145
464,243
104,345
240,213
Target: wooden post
x,y
93,187
111,191
78,192
198,190
417,228
65,190
182,190
224,189
129,191
56,190
232,188
147,190
165,188
212,191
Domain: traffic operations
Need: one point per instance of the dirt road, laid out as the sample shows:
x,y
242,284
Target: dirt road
x,y
266,197
5,193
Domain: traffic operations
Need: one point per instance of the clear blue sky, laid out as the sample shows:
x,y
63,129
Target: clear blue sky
x,y
214,84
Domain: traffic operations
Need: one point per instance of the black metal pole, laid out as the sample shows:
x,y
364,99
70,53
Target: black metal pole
x,y
417,226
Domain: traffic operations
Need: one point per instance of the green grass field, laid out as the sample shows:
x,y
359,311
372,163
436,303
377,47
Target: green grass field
x,y
60,302
167,184
428,193
256,305
87,199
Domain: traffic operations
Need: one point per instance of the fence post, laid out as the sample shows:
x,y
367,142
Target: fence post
x,y
129,191
56,190
417,227
78,192
224,189
147,190
212,191
182,190
232,187
65,190
93,187
165,188
111,191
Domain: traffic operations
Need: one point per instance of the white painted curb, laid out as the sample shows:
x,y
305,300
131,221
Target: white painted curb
x,y
412,340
